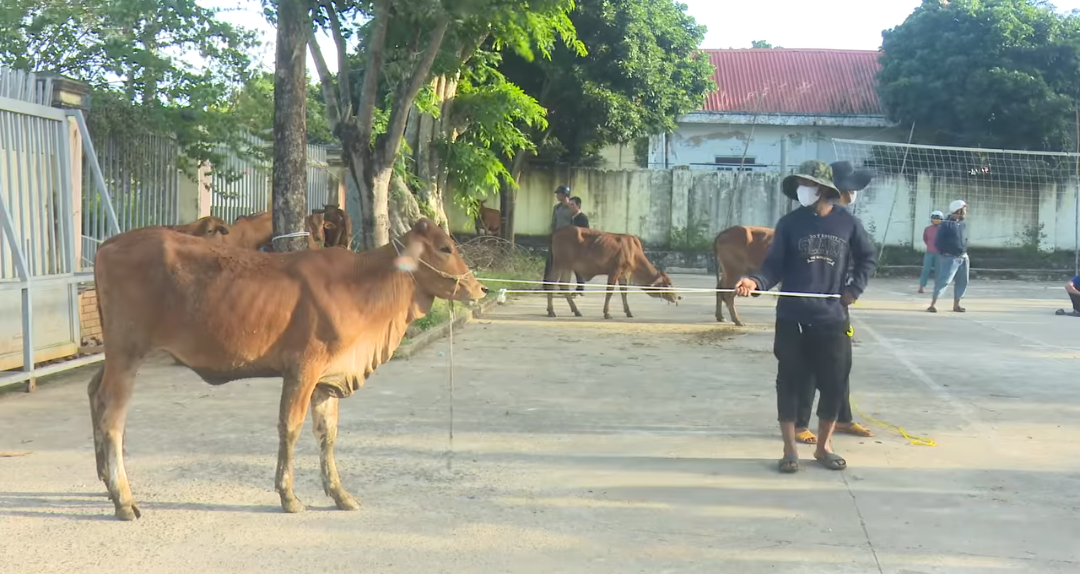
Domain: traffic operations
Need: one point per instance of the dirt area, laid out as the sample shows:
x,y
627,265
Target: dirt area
x,y
585,445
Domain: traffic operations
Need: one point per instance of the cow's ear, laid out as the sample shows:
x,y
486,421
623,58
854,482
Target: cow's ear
x,y
223,230
421,226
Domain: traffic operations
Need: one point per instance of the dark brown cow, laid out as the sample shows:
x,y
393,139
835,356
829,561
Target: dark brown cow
x,y
490,220
337,225
208,227
738,250
323,320
255,231
591,252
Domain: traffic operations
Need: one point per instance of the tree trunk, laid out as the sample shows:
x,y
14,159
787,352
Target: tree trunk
x,y
290,127
421,134
404,209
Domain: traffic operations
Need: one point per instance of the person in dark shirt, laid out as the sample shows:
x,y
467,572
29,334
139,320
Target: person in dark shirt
x,y
953,260
809,254
578,219
1073,289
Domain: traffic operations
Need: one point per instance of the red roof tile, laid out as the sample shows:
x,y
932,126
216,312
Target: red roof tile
x,y
795,81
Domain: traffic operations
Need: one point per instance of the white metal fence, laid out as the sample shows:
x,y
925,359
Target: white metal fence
x,y
251,191
39,310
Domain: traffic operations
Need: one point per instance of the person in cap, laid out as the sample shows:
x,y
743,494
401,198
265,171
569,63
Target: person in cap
x,y
561,216
930,258
809,254
953,261
850,182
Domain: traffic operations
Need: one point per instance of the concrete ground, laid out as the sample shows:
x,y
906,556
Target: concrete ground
x,y
585,445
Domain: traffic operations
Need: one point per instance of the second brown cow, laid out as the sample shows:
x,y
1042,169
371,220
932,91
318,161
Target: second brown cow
x,y
591,252
738,250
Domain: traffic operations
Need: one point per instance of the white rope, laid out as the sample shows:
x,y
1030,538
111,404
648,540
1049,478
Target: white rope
x,y
450,454
651,289
293,234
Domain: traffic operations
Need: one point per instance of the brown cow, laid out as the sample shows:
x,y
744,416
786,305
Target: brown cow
x,y
591,252
208,227
738,250
337,225
490,220
256,230
322,320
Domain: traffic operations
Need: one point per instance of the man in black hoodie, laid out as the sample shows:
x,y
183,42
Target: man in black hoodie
x,y
811,249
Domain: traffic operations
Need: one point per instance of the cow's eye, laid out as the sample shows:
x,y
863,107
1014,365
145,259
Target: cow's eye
x,y
447,249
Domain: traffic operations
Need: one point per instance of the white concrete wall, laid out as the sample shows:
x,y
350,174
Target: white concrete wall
x,y
700,143
651,203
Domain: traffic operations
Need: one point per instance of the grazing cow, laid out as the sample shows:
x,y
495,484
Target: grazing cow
x,y
337,225
208,227
322,320
489,221
738,250
591,252
255,231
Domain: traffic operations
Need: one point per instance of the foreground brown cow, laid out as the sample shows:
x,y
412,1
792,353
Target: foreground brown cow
x,y
208,227
337,225
322,320
738,250
256,231
490,221
591,252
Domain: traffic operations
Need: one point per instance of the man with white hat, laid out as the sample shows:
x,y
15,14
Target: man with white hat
x,y
953,261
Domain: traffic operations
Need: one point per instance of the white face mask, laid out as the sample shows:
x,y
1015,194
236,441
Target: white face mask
x,y
807,195
853,195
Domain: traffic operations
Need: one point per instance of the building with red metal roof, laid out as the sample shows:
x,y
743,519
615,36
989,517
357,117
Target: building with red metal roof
x,y
775,108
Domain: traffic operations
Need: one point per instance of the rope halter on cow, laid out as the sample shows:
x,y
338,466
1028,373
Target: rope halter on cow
x,y
398,246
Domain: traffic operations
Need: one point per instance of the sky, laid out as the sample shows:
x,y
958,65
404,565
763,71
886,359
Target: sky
x,y
833,24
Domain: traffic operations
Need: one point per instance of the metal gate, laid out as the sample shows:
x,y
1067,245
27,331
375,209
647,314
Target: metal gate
x,y
39,319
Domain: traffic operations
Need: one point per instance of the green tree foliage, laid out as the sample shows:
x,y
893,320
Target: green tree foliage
x,y
490,118
984,73
401,45
153,67
763,44
252,106
641,72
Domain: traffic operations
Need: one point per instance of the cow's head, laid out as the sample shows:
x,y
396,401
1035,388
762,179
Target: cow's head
x,y
210,227
432,257
658,289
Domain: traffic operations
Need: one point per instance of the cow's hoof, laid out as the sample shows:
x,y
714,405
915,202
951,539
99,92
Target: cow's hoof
x,y
607,315
719,319
292,505
739,323
630,315
578,314
551,313
345,501
128,513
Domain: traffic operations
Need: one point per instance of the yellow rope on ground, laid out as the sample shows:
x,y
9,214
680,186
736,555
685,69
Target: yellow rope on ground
x,y
913,439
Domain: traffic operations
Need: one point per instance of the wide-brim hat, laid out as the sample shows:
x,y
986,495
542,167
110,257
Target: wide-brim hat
x,y
848,179
818,172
